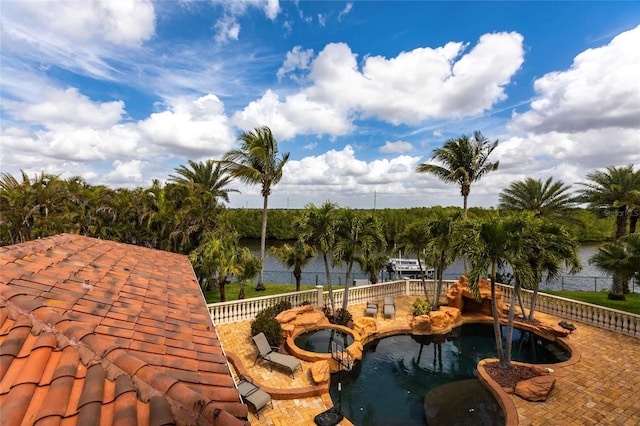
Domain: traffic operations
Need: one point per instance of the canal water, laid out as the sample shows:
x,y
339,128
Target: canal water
x,y
589,278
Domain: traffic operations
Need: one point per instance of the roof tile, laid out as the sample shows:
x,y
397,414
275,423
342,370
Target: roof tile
x,y
57,398
100,309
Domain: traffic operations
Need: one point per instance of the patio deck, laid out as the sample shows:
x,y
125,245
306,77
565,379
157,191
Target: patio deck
x,y
600,389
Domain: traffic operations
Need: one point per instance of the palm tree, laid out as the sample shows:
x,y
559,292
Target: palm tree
x,y
372,263
295,256
464,161
250,265
543,199
414,240
620,258
617,188
208,175
317,227
160,216
552,247
216,259
442,236
488,243
355,233
256,162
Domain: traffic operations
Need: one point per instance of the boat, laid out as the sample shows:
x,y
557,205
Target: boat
x,y
407,268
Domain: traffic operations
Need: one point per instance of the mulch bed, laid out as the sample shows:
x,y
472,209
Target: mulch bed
x,y
509,377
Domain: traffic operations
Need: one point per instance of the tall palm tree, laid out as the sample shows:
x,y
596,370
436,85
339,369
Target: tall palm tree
x,y
614,191
464,160
208,175
295,256
256,162
317,227
543,199
356,234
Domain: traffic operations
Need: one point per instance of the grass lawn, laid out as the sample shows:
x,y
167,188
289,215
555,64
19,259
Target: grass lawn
x,y
632,304
232,290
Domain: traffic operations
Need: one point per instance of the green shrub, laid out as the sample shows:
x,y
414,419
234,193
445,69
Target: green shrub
x,y
421,307
265,322
270,327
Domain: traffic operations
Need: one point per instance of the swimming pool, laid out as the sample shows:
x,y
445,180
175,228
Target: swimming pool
x,y
388,386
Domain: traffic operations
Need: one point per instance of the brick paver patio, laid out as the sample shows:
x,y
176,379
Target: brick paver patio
x,y
603,388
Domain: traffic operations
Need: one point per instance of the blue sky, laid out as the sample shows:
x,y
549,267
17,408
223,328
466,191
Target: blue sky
x,y
358,92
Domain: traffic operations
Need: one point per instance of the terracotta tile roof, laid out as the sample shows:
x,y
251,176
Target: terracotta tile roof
x,y
95,331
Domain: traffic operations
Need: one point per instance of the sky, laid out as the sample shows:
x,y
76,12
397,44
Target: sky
x,y
359,93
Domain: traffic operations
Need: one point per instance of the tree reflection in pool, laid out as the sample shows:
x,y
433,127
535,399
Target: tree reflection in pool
x,y
387,387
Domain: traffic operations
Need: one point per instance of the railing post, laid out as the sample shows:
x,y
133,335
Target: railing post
x,y
407,288
319,296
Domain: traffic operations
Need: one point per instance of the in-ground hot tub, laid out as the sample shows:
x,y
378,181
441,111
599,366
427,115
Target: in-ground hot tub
x,y
321,339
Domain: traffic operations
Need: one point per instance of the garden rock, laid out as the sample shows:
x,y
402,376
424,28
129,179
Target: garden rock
x,y
535,389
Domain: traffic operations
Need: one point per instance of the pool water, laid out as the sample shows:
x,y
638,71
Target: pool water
x,y
319,341
388,386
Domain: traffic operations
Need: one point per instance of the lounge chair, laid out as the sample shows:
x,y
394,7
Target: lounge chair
x,y
371,309
253,394
389,307
268,353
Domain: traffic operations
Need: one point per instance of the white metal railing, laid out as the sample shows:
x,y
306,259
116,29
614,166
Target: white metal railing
x,y
586,313
247,309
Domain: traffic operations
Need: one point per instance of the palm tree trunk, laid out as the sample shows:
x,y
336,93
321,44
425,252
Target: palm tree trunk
x,y
512,309
621,222
534,300
496,319
438,277
424,281
297,273
464,216
617,288
263,243
521,304
345,298
329,284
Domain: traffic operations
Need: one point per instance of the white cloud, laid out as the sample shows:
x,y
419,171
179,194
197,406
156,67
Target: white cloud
x,y
396,147
297,59
122,23
67,107
227,28
296,116
126,172
341,171
190,127
78,36
601,89
395,90
344,12
421,84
